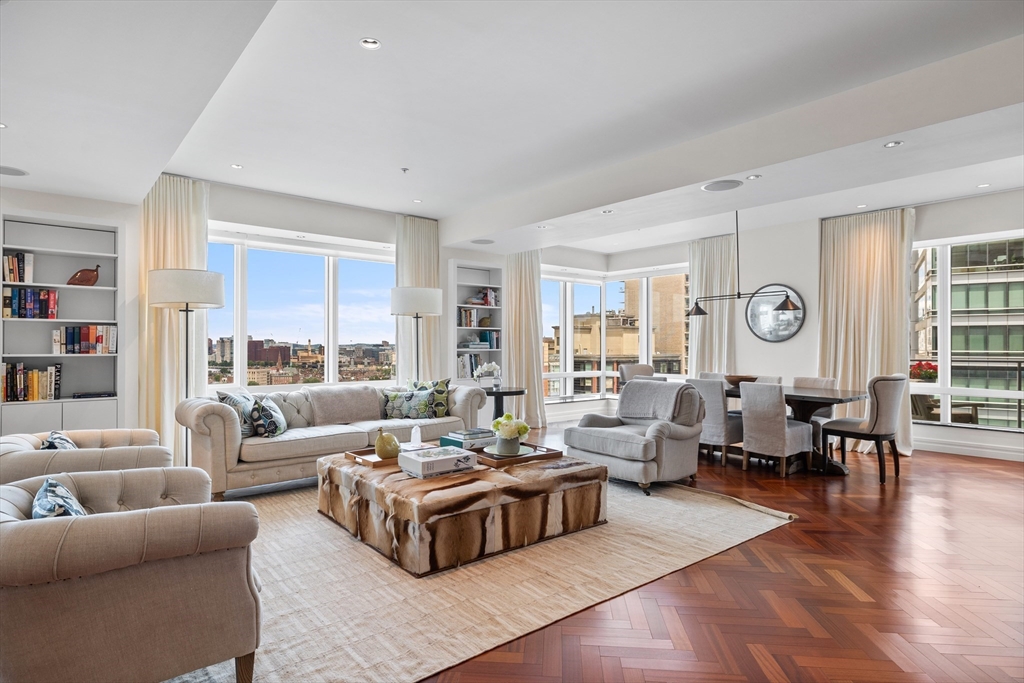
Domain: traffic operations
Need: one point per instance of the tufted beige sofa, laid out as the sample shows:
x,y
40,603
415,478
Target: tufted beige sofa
x,y
322,420
98,449
151,584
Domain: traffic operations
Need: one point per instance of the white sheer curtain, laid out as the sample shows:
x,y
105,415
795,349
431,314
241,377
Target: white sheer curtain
x,y
173,225
865,316
712,336
523,332
417,264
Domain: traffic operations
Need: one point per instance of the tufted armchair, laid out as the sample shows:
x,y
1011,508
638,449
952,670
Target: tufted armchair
x,y
151,584
654,435
98,449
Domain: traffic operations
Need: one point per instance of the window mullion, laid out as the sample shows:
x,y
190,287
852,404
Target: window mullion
x,y
603,302
331,333
241,344
568,337
943,306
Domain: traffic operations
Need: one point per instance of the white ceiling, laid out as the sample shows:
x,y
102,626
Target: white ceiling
x,y
482,100
97,96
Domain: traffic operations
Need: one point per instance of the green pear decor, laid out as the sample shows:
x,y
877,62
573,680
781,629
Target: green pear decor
x,y
386,445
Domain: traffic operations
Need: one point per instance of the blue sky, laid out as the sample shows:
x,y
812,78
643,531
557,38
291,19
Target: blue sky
x,y
585,299
286,297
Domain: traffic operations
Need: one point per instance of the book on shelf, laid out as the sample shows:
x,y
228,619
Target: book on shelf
x,y
30,303
20,384
93,394
29,263
7,302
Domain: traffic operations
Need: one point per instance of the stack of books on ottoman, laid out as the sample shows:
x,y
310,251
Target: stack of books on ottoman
x,y
479,437
434,462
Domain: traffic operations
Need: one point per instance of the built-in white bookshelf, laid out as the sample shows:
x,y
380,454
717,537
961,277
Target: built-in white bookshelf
x,y
58,252
477,317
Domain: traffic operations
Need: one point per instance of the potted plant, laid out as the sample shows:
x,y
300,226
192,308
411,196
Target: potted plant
x,y
490,370
924,371
509,431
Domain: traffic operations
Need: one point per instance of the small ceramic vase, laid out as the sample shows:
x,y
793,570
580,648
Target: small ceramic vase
x,y
508,446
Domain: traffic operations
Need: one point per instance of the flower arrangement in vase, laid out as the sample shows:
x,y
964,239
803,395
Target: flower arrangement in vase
x,y
509,431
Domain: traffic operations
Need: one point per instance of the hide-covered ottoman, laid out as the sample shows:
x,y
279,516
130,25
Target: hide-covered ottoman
x,y
428,525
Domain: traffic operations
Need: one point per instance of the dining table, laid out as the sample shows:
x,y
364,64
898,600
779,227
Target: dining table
x,y
805,401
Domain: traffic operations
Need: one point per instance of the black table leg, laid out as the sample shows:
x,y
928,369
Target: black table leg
x,y
499,406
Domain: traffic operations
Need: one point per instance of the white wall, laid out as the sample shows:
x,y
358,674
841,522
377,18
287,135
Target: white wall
x,y
787,255
125,217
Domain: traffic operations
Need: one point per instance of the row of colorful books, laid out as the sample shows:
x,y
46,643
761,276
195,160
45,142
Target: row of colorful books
x,y
20,302
18,267
85,339
484,297
20,384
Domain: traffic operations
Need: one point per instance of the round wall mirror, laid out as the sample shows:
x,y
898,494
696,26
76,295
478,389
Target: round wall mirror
x,y
768,324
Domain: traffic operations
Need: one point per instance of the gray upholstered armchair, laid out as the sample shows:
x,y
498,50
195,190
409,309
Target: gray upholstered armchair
x,y
98,449
654,435
152,583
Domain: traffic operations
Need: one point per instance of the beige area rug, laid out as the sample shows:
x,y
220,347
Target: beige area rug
x,y
336,610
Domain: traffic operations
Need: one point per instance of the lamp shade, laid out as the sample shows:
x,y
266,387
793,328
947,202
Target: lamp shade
x,y
415,301
176,287
787,304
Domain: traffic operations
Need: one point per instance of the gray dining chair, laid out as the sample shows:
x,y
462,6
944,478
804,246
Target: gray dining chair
x,y
720,429
628,372
885,396
821,415
767,432
761,379
711,375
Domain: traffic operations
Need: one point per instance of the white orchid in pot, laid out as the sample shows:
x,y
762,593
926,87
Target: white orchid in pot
x,y
509,431
490,370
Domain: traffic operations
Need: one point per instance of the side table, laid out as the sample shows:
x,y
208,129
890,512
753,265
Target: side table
x,y
499,398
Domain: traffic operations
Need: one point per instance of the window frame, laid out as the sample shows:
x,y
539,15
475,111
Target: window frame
x,y
242,244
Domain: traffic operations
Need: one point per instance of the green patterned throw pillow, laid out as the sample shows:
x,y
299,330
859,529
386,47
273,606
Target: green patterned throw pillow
x,y
407,405
439,395
267,418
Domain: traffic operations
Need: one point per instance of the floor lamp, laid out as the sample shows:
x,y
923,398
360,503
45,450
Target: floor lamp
x,y
186,290
416,302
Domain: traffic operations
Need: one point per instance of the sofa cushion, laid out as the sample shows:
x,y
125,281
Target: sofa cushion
x,y
412,405
629,442
295,406
267,418
242,404
54,500
335,404
58,442
438,395
431,429
302,442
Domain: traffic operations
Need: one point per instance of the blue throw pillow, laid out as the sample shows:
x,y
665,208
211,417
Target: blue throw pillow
x,y
58,442
54,500
267,418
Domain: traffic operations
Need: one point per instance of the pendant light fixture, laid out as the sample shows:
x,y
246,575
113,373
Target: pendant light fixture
x,y
786,304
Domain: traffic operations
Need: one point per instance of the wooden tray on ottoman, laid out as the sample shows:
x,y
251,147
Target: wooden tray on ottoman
x,y
539,453
367,457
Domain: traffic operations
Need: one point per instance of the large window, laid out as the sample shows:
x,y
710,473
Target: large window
x,y
670,328
967,344
590,330
586,338
297,331
366,328
286,317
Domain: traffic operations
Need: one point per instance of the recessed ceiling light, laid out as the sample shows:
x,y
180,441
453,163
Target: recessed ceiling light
x,y
417,201
301,237
3,125
755,176
370,43
985,185
236,166
10,170
543,227
388,246
893,143
482,241
608,211
862,206
564,269
721,185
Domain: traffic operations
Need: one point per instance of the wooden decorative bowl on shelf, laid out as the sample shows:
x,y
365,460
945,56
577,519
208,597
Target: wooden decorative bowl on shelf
x,y
735,380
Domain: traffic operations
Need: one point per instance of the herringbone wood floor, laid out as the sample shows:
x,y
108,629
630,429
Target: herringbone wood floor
x,y
918,580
